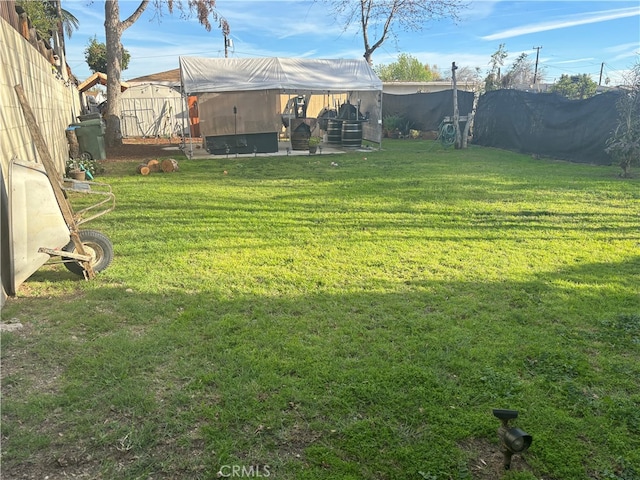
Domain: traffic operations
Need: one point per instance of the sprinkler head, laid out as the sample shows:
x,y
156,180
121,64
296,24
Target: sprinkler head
x,y
512,439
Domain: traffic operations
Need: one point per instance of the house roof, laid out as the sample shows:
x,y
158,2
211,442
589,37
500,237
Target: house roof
x,y
100,78
170,78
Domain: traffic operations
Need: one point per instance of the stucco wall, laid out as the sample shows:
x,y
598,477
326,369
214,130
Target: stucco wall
x,y
55,102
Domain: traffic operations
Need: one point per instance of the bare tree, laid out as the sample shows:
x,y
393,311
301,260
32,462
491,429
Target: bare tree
x,y
466,75
521,73
378,19
492,81
624,143
114,28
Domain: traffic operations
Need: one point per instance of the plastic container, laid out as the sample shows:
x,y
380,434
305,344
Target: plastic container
x,y
89,116
90,134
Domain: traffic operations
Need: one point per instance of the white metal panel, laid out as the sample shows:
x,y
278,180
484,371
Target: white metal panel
x,y
152,110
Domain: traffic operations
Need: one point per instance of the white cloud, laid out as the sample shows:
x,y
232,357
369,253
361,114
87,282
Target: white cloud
x,y
479,10
624,47
624,51
571,21
577,60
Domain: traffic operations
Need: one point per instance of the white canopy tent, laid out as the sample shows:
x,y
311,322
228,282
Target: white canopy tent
x,y
290,75
243,96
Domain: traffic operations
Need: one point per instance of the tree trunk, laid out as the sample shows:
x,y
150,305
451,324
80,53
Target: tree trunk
x,y
113,32
58,40
113,29
72,140
470,118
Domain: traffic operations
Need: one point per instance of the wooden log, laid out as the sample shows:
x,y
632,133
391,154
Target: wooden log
x,y
72,140
169,165
142,169
154,165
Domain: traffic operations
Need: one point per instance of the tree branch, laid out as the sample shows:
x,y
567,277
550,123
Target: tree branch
x,y
134,16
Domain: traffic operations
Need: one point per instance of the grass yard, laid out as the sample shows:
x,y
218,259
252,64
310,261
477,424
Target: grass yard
x,y
360,321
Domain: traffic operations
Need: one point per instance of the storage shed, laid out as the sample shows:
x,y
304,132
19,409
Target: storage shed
x,y
153,110
151,97
243,102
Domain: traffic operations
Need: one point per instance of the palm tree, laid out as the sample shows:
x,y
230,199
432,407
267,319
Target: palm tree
x,y
48,16
51,22
65,21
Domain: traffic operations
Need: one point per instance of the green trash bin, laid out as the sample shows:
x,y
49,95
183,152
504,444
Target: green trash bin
x,y
90,134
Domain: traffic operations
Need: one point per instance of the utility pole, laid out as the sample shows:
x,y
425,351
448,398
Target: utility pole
x,y
600,79
535,73
224,26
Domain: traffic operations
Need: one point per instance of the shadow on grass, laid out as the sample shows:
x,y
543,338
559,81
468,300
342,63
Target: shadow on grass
x,y
370,384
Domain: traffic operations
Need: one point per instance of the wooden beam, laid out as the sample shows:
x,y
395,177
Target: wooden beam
x,y
456,113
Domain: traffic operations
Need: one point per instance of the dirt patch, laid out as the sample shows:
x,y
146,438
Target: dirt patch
x,y
486,460
139,149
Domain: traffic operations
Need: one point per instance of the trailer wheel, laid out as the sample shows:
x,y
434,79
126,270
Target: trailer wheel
x,y
97,245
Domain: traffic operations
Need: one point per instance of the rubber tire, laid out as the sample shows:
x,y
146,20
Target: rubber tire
x,y
97,245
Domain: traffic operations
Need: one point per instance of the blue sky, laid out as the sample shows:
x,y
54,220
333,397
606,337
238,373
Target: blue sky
x,y
576,36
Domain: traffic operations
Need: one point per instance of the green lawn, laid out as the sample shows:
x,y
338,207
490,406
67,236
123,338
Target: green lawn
x,y
357,321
